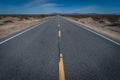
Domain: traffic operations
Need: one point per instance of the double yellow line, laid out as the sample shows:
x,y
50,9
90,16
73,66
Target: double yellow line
x,y
61,64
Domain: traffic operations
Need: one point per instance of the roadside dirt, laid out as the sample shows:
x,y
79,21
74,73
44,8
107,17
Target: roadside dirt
x,y
101,26
11,25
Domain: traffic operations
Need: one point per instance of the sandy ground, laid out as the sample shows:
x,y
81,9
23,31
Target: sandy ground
x,y
100,27
10,25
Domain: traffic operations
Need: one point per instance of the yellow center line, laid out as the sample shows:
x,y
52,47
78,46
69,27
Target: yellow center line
x,y
61,64
61,68
59,33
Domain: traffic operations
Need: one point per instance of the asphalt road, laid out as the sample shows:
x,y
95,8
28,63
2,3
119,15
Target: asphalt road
x,y
34,55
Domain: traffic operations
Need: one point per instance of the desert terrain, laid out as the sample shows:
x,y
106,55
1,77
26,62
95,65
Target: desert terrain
x,y
10,24
108,25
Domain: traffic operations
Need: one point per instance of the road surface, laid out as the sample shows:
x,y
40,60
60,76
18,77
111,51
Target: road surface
x,y
35,54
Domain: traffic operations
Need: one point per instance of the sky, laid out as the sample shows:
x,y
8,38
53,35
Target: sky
x,y
59,6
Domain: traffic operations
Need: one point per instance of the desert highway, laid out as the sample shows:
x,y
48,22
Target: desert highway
x,y
58,49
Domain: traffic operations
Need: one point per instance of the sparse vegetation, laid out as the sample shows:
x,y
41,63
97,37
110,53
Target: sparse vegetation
x,y
105,24
10,24
111,18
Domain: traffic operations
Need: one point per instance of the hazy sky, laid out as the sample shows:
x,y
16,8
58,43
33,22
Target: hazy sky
x,y
59,6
